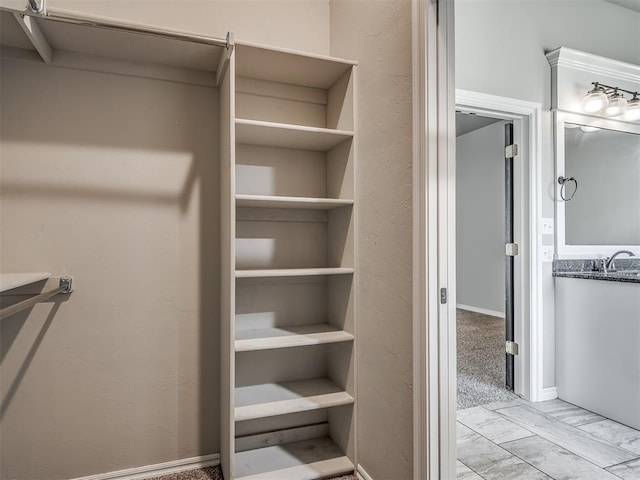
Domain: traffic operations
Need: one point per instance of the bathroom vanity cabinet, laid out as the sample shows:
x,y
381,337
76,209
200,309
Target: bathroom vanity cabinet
x,y
598,359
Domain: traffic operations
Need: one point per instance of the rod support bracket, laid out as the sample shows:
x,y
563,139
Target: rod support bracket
x,y
36,6
67,283
230,41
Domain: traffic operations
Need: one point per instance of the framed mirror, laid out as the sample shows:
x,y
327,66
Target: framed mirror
x,y
598,185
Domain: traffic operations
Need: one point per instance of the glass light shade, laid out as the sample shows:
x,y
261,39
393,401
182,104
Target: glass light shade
x,y
594,101
617,105
633,110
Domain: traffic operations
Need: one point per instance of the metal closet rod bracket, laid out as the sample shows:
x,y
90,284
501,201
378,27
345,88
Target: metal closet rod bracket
x,y
36,6
65,285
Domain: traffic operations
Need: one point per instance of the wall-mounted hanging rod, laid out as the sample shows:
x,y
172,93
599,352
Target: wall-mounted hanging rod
x,y
65,16
65,286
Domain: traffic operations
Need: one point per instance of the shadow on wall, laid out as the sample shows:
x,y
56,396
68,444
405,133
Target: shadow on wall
x,y
115,181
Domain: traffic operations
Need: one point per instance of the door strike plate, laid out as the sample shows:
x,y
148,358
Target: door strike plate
x,y
511,348
511,249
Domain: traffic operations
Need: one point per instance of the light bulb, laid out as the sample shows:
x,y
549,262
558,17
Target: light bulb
x,y
595,100
617,105
633,110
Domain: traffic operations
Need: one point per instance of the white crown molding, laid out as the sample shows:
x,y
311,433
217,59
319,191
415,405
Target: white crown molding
x,y
595,64
159,469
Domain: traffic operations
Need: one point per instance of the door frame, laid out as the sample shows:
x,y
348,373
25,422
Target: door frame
x,y
526,118
434,352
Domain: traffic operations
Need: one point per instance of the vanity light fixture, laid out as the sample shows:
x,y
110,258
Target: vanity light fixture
x,y
595,100
617,105
611,101
633,109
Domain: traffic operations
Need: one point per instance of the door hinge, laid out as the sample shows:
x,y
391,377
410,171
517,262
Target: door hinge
x,y
443,296
511,249
511,151
511,348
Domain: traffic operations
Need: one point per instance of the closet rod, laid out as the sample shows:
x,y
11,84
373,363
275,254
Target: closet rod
x,y
66,286
65,16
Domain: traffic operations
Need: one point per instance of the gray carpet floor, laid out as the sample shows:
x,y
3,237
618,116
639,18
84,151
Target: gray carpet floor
x,y
480,355
215,473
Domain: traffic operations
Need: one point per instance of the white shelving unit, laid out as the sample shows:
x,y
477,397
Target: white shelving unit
x,y
289,257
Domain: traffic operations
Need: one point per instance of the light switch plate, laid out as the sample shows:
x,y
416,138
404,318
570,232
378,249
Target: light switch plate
x,y
546,252
546,226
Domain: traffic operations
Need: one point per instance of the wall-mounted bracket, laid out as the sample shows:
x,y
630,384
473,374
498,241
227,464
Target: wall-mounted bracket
x,y
224,59
67,284
35,35
36,6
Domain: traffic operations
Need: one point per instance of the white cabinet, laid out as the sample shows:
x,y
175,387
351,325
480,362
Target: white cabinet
x,y
598,360
289,265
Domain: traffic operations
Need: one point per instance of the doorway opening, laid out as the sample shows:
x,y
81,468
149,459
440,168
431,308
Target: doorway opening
x,y
485,259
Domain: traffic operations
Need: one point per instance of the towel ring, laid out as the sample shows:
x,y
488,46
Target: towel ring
x,y
563,181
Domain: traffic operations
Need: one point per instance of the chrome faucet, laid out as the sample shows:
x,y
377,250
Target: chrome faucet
x,y
608,262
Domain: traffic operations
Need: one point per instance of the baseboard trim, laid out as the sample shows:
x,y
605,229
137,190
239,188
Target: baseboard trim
x,y
493,313
549,393
158,469
361,474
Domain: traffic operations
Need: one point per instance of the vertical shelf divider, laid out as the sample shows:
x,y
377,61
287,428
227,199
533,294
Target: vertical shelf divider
x,y
227,269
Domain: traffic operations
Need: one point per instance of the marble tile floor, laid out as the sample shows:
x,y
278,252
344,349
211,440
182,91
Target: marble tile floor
x,y
556,440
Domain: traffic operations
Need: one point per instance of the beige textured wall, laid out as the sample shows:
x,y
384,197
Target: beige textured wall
x,y
378,34
116,183
113,180
297,24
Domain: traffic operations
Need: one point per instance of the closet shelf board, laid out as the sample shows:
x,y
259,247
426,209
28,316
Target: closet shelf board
x,y
293,272
266,201
305,460
108,45
284,135
271,399
292,336
9,281
288,66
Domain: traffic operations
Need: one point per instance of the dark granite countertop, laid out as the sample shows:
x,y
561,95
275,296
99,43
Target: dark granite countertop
x,y
627,270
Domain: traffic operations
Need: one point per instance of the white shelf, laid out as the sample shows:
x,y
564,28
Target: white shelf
x,y
267,201
269,134
293,272
102,44
290,67
285,337
305,460
9,281
271,399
